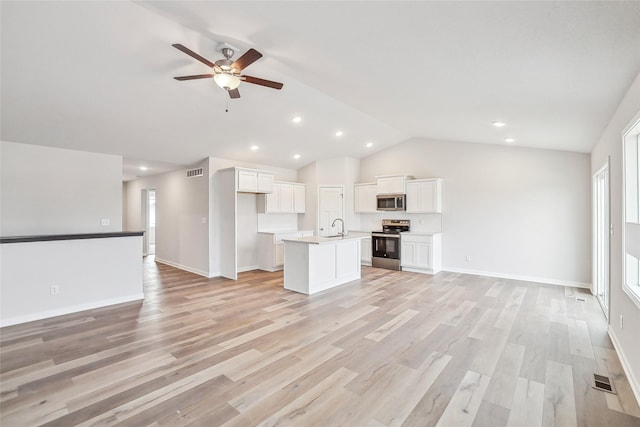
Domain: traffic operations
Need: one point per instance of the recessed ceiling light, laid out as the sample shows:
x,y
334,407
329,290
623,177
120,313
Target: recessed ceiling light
x,y
296,156
369,144
339,133
296,119
143,168
499,124
254,147
509,140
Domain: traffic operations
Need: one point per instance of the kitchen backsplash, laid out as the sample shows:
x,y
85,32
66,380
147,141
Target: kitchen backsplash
x,y
428,223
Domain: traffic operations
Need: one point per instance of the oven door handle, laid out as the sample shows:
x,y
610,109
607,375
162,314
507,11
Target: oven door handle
x,y
388,236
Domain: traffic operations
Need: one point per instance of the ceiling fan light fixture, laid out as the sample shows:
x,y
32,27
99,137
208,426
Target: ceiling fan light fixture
x,y
226,81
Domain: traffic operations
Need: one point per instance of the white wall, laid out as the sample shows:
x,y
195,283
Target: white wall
x,y
89,273
247,237
309,220
516,212
247,244
610,146
182,204
188,218
337,171
47,190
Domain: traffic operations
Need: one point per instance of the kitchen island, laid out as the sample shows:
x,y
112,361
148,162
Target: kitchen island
x,y
314,264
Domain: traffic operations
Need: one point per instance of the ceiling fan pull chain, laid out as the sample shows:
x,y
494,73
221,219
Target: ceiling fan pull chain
x,y
226,110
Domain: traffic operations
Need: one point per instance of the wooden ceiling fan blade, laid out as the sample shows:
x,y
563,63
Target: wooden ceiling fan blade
x,y
262,82
194,55
247,59
234,93
197,76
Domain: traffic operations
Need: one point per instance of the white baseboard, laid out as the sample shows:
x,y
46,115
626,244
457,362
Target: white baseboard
x,y
68,310
535,279
626,366
419,270
249,268
184,267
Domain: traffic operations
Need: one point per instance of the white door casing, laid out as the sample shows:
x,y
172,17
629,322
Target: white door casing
x,y
601,239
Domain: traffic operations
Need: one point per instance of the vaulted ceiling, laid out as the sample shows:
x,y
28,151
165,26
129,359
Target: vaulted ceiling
x,y
98,76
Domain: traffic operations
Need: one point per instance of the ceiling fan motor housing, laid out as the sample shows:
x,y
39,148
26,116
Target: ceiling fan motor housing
x,y
225,64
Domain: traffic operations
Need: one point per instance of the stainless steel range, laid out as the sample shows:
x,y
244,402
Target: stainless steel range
x,y
385,244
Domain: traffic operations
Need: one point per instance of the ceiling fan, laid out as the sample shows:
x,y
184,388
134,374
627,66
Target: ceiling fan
x,y
226,73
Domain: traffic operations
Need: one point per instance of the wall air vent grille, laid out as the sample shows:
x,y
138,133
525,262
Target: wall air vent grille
x,y
193,173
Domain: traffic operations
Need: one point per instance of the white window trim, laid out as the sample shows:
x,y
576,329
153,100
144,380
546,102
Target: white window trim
x,y
631,132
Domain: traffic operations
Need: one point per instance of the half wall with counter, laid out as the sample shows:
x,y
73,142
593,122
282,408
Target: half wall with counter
x,y
314,264
50,275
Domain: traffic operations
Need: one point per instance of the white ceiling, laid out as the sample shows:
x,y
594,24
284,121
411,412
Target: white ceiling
x,y
97,76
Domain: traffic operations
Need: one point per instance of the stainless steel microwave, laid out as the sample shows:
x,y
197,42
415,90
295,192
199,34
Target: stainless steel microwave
x,y
391,202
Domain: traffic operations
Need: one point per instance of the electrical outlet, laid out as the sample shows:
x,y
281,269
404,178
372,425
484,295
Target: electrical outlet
x,y
104,222
621,322
467,258
54,290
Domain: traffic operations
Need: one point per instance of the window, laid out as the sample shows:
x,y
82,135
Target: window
x,y
631,196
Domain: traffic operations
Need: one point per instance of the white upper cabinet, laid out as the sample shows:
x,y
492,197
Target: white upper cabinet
x,y
265,182
364,197
392,184
254,181
287,197
299,196
424,195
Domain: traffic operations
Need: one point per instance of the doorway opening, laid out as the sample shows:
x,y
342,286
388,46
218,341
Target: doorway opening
x,y
149,221
602,230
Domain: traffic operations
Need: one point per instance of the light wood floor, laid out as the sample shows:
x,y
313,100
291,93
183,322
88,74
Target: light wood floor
x,y
394,348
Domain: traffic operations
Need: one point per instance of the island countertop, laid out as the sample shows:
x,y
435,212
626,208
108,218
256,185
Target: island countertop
x,y
319,240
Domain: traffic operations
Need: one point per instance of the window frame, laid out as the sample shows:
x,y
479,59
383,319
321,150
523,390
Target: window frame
x,y
629,261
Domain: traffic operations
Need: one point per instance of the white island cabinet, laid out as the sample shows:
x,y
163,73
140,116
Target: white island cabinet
x,y
314,264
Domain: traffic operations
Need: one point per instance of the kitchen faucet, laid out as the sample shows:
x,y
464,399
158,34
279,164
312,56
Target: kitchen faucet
x,y
333,224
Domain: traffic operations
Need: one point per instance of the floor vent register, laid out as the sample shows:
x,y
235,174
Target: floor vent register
x,y
602,383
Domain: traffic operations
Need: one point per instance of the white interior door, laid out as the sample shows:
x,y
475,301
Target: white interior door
x,y
602,229
330,207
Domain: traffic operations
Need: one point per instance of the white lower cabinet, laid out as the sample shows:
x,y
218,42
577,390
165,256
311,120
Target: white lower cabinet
x,y
271,248
421,253
365,251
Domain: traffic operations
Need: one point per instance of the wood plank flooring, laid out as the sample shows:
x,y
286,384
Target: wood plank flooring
x,y
392,349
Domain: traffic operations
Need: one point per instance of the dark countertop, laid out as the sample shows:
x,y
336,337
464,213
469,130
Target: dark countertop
x,y
51,237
